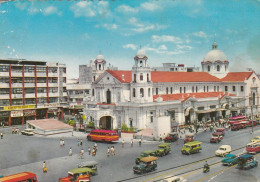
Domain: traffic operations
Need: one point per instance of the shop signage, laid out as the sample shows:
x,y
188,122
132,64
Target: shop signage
x,y
19,107
29,113
50,110
51,105
16,113
4,114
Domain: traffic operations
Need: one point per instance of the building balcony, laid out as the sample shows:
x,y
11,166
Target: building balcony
x,y
41,94
4,96
41,85
29,84
17,85
53,75
14,74
4,85
41,74
31,95
54,94
30,74
6,74
53,84
17,96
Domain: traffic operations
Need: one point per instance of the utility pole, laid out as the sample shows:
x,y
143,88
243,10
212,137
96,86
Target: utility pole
x,y
252,123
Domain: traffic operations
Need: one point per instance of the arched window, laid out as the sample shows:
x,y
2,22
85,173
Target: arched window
x,y
218,68
167,90
99,66
133,92
180,89
149,92
192,89
171,90
225,68
184,90
141,92
196,89
141,76
148,80
208,68
134,78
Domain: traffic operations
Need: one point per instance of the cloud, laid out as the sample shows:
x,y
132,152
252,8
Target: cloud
x,y
3,12
162,49
144,26
144,29
167,38
130,46
110,26
126,9
180,47
20,5
134,21
200,34
90,9
51,10
85,36
150,6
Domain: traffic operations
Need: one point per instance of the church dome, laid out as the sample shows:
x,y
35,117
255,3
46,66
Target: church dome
x,y
140,53
99,57
215,55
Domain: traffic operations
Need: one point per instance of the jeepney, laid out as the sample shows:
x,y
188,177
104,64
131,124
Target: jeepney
x,y
77,175
147,164
191,147
144,154
172,137
247,161
188,138
216,137
92,165
163,149
229,160
253,147
221,130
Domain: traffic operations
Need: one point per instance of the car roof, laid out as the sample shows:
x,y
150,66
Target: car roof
x,y
217,133
147,151
246,156
193,143
149,159
79,170
225,146
164,144
88,163
230,155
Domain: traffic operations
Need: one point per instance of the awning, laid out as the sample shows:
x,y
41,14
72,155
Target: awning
x,y
205,111
221,109
234,109
187,111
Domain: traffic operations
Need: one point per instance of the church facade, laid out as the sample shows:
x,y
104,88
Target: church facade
x,y
140,97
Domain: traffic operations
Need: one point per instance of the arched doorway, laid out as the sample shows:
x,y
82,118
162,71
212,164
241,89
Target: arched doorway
x,y
106,122
189,115
108,96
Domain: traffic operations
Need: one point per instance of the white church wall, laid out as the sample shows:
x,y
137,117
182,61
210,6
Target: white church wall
x,y
162,126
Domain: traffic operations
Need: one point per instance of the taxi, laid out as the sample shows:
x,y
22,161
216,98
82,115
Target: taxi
x,y
256,139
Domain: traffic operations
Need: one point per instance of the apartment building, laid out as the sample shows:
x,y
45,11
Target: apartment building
x,y
31,90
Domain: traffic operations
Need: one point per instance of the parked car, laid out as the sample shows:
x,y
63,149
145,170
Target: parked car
x,y
221,130
92,165
163,149
144,154
223,150
147,164
28,132
174,179
247,161
172,137
255,139
191,147
188,138
235,126
216,137
230,160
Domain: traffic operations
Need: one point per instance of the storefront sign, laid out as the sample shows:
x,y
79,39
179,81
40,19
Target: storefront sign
x,y
51,105
4,114
29,113
16,113
19,107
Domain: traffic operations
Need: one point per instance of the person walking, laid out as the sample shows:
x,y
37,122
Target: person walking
x,y
114,150
89,151
108,151
81,143
44,167
2,135
78,142
70,152
140,142
81,153
123,143
61,143
94,152
132,143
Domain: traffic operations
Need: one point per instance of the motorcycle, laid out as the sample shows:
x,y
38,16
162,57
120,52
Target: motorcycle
x,y
206,169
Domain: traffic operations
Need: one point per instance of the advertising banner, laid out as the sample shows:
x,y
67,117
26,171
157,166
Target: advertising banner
x,y
16,113
29,112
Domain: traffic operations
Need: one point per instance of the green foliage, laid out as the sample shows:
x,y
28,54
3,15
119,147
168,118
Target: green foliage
x,y
71,122
124,127
91,124
131,128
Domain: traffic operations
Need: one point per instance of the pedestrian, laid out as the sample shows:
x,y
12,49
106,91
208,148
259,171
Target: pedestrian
x,y
81,143
93,152
13,131
95,145
108,151
112,150
81,153
140,142
78,142
89,151
44,167
2,135
123,143
61,143
70,152
132,143
160,137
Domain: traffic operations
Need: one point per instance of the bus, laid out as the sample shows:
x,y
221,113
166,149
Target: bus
x,y
20,177
237,119
103,135
253,147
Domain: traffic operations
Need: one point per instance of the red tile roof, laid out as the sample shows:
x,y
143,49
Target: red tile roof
x,y
118,75
236,76
186,96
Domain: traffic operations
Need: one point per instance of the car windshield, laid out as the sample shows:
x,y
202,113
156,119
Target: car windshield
x,y
221,148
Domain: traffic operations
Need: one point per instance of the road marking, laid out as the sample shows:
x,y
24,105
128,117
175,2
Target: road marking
x,y
192,172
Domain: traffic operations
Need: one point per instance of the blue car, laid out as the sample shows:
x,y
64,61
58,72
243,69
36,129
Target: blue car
x,y
229,160
247,161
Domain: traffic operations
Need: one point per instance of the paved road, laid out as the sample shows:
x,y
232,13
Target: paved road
x,y
25,153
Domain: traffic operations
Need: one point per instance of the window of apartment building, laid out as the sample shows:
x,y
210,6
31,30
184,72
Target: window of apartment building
x,y
16,80
64,79
17,69
167,90
141,77
214,88
30,101
53,99
4,102
4,80
17,90
234,88
242,88
141,92
180,89
226,88
133,92
218,68
218,88
52,69
207,88
151,116
29,80
64,89
41,69
204,89
171,90
17,102
4,91
4,68
29,69
41,90
201,108
212,106
29,90
208,68
41,80
134,78
184,89
64,70
53,80
148,79
156,91
41,100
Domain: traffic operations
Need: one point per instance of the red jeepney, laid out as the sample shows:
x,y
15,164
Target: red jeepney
x,y
235,126
24,176
103,135
216,137
221,130
237,119
250,123
188,138
253,147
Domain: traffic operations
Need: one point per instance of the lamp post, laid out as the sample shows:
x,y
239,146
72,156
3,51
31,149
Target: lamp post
x,y
251,103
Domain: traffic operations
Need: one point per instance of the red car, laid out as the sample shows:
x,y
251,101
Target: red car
x,y
221,130
216,137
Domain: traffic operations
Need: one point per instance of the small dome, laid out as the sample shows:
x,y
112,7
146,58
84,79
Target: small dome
x,y
140,53
215,55
99,57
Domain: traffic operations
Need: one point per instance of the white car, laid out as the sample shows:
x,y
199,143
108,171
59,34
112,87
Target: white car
x,y
223,150
174,179
28,132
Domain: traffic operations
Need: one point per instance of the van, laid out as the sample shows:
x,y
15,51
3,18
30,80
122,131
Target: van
x,y
191,147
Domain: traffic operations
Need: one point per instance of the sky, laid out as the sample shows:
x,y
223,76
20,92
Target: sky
x,y
177,31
